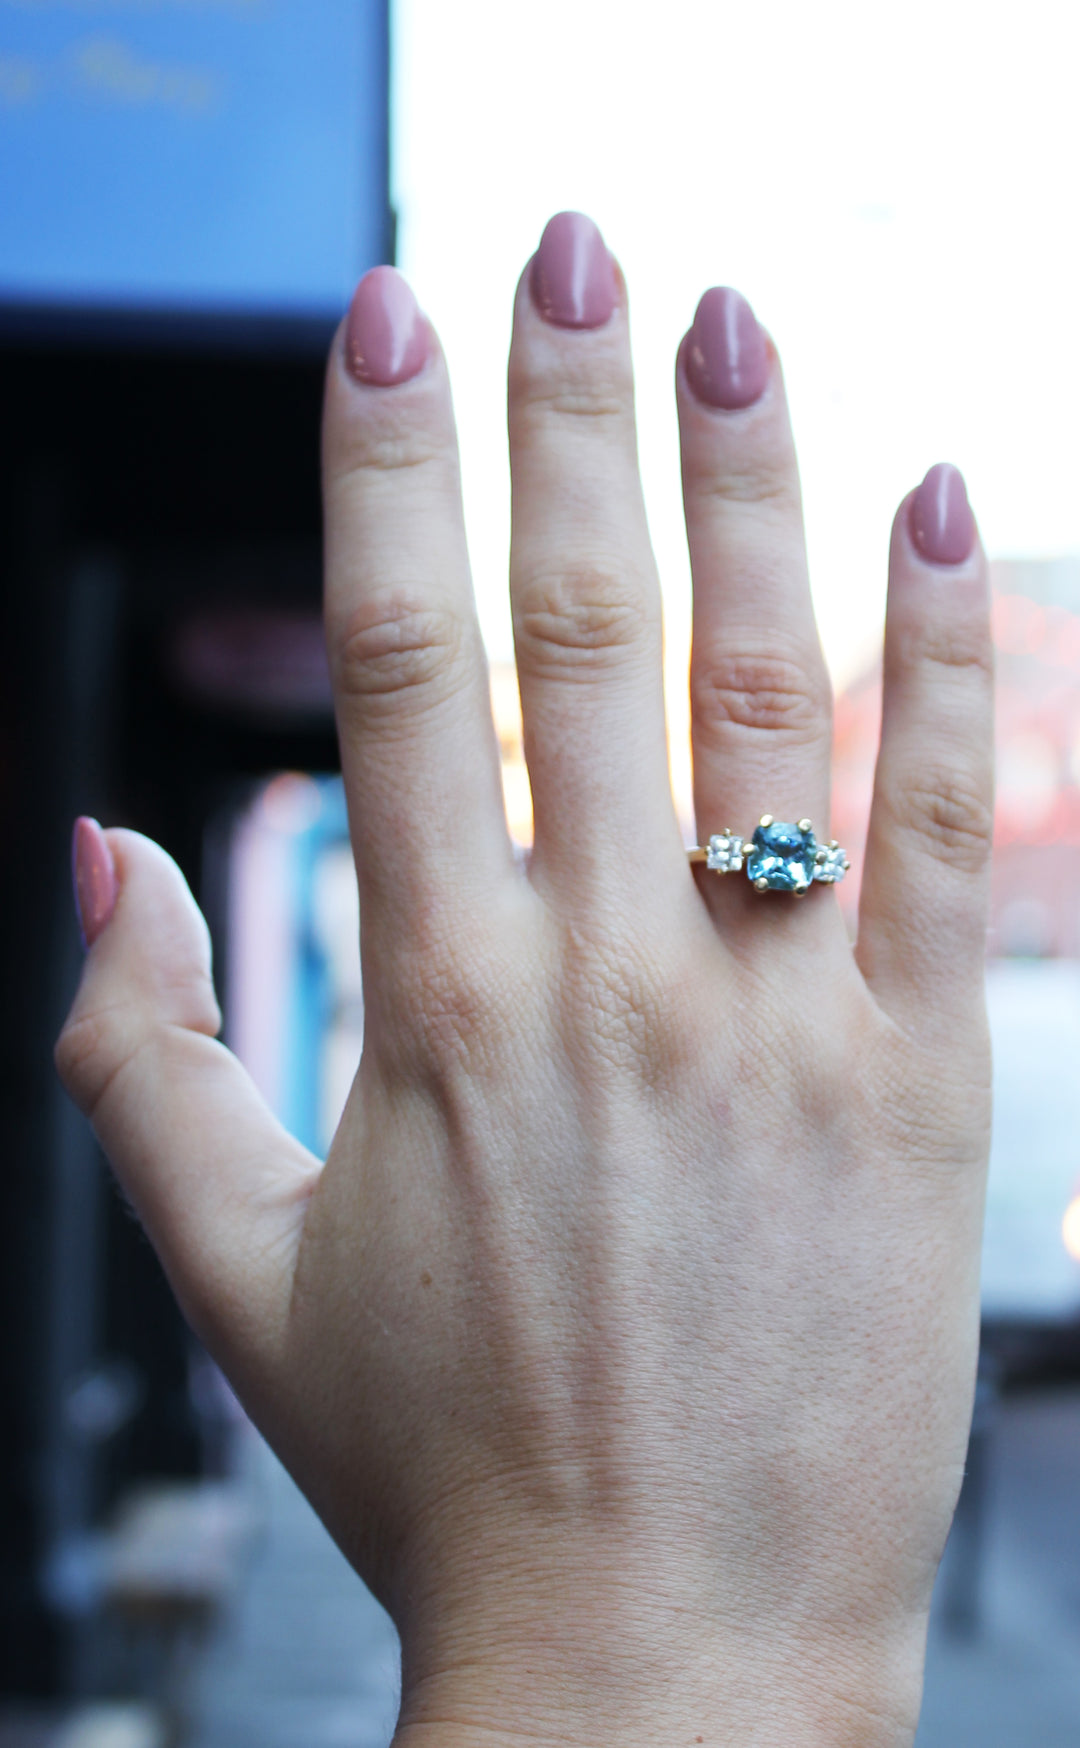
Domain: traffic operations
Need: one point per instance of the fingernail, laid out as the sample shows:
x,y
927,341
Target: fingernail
x,y
386,337
573,276
940,518
93,875
726,359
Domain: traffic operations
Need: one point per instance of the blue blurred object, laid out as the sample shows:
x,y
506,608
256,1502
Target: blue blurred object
x,y
227,158
1028,1275
313,1009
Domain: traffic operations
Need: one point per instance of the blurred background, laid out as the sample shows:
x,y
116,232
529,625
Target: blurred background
x,y
188,191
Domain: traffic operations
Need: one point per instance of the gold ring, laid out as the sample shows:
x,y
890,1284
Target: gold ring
x,y
777,857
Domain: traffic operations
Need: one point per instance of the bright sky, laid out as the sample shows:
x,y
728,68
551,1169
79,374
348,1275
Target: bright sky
x,y
894,187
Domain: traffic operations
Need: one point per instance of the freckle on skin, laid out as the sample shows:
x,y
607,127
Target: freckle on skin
x,y
425,1279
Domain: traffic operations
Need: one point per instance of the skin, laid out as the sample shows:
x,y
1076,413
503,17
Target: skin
x,y
626,1340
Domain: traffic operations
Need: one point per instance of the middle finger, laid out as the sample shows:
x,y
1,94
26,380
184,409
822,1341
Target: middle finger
x,y
583,582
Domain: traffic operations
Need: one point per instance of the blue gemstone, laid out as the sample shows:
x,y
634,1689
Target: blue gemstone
x,y
782,855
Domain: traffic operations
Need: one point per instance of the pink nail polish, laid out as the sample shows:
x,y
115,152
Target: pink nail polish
x,y
386,337
573,276
726,359
939,516
94,878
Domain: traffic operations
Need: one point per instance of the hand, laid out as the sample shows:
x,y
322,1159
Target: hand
x,y
626,1340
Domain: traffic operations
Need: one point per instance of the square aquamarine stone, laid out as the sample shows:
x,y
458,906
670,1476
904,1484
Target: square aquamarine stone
x,y
783,856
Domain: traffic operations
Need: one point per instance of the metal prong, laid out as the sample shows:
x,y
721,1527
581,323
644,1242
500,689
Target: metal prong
x,y
761,885
833,845
805,824
766,820
820,855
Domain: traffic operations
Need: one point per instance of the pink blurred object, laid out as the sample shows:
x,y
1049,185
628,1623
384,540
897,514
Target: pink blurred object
x,y
262,662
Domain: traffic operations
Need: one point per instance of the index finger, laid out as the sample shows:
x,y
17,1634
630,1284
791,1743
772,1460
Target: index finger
x,y
410,676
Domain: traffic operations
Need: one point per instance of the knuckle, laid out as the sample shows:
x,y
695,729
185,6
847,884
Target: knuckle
x,y
389,439
541,393
77,1052
767,480
623,1012
581,619
759,693
452,1012
392,649
951,814
93,1049
595,403
949,650
372,451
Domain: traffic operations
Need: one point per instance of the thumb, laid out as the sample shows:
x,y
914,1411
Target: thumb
x,y
219,1185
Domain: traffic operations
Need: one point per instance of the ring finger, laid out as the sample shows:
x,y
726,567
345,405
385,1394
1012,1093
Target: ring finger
x,y
760,695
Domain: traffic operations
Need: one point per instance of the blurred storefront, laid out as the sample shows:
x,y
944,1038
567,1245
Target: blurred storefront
x,y
187,195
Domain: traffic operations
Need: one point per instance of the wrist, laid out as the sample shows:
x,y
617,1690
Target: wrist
x,y
539,1708
572,1684
552,1642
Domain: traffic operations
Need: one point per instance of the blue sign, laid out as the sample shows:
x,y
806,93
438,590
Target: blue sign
x,y
204,156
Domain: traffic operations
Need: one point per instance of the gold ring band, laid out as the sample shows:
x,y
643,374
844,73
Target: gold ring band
x,y
777,857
